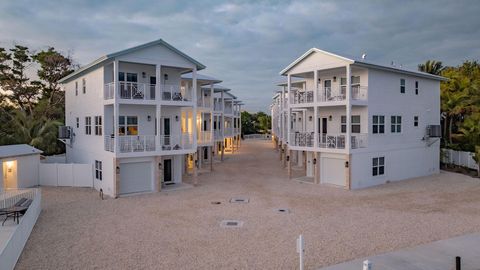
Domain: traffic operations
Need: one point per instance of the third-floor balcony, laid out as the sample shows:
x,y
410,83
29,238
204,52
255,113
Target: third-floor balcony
x,y
149,143
339,93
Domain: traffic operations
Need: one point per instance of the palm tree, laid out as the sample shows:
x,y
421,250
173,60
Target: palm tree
x,y
432,67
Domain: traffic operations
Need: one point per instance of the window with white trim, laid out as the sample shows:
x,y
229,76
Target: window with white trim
x,y
84,85
378,124
396,124
354,123
88,125
378,166
415,121
77,121
76,88
416,87
98,125
402,86
98,170
127,125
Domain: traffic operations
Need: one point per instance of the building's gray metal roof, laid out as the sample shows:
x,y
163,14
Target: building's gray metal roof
x,y
16,150
364,63
108,57
202,78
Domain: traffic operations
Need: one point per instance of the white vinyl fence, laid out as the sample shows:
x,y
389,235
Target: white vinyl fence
x,y
257,136
459,158
66,175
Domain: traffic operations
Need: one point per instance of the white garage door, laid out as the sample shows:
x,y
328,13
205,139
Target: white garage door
x,y
333,171
135,177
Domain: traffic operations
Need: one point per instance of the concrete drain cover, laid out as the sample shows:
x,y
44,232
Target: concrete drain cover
x,y
231,224
239,200
283,210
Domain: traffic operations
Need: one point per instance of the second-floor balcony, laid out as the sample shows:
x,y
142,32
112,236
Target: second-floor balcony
x,y
337,141
204,103
228,132
300,97
217,106
149,143
339,93
204,137
228,110
303,139
144,91
217,134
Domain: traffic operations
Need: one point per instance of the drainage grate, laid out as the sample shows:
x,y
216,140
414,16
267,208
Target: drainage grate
x,y
231,223
215,202
283,210
239,200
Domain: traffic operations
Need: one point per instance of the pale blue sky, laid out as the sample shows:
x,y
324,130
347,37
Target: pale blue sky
x,y
246,43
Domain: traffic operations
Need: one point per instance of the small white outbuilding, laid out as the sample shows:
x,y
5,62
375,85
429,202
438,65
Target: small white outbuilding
x,y
19,166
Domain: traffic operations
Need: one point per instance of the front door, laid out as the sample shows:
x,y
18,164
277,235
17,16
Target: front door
x,y
153,82
327,88
167,171
10,174
324,126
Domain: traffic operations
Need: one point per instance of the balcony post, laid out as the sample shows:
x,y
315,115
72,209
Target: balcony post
x,y
115,79
289,117
315,86
349,109
315,126
158,82
158,119
194,111
116,111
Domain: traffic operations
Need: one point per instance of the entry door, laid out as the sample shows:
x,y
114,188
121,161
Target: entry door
x,y
10,174
166,131
327,86
205,153
153,82
324,125
167,171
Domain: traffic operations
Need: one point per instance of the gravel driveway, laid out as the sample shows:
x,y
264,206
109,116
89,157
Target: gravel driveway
x,y
180,229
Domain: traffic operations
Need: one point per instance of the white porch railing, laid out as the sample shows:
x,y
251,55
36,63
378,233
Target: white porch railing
x,y
228,110
217,134
204,137
176,142
136,143
175,92
304,139
359,92
300,97
217,106
130,90
337,141
339,93
228,132
204,103
10,197
109,143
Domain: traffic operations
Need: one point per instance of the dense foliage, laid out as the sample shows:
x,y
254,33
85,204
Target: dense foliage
x,y
31,101
256,123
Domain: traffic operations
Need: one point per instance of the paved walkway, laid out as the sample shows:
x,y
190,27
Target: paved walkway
x,y
437,255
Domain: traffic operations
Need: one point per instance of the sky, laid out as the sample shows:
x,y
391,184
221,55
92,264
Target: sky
x,y
247,43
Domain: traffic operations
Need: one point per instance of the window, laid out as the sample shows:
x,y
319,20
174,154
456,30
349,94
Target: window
x,y
396,124
378,166
77,120
76,88
128,125
88,125
416,87
402,86
98,170
98,125
84,85
378,124
355,124
131,77
415,121
354,80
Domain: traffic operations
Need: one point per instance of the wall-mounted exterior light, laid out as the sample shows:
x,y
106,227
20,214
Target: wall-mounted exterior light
x,y
346,164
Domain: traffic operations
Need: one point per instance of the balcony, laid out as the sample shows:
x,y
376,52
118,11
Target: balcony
x,y
148,143
143,91
204,103
300,97
217,134
228,110
303,139
204,137
228,132
217,106
337,141
327,94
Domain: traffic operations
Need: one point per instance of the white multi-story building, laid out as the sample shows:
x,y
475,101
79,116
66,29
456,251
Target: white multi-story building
x,y
142,117
355,124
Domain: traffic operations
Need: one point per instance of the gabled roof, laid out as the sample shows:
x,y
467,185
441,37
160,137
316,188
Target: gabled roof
x,y
363,63
202,78
220,88
111,56
16,150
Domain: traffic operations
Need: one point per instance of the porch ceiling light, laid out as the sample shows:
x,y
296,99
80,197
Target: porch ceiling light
x,y
9,164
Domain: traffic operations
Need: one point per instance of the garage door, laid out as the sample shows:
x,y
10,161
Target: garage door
x,y
135,177
333,171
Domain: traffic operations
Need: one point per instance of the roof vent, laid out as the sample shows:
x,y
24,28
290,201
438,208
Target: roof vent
x,y
364,55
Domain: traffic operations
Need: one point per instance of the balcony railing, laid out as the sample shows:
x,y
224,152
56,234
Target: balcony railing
x,y
137,143
130,90
204,137
205,103
217,134
337,141
228,110
304,139
300,97
339,93
217,106
228,132
176,142
174,92
236,131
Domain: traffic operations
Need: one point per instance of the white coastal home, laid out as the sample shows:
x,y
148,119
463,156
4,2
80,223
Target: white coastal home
x,y
351,123
142,117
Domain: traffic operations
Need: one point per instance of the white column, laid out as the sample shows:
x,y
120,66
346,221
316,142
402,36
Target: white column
x,y
116,114
289,86
194,111
222,124
315,126
115,78
315,86
211,114
349,110
158,97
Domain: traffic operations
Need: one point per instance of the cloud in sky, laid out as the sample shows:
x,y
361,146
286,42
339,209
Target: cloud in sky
x,y
246,43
